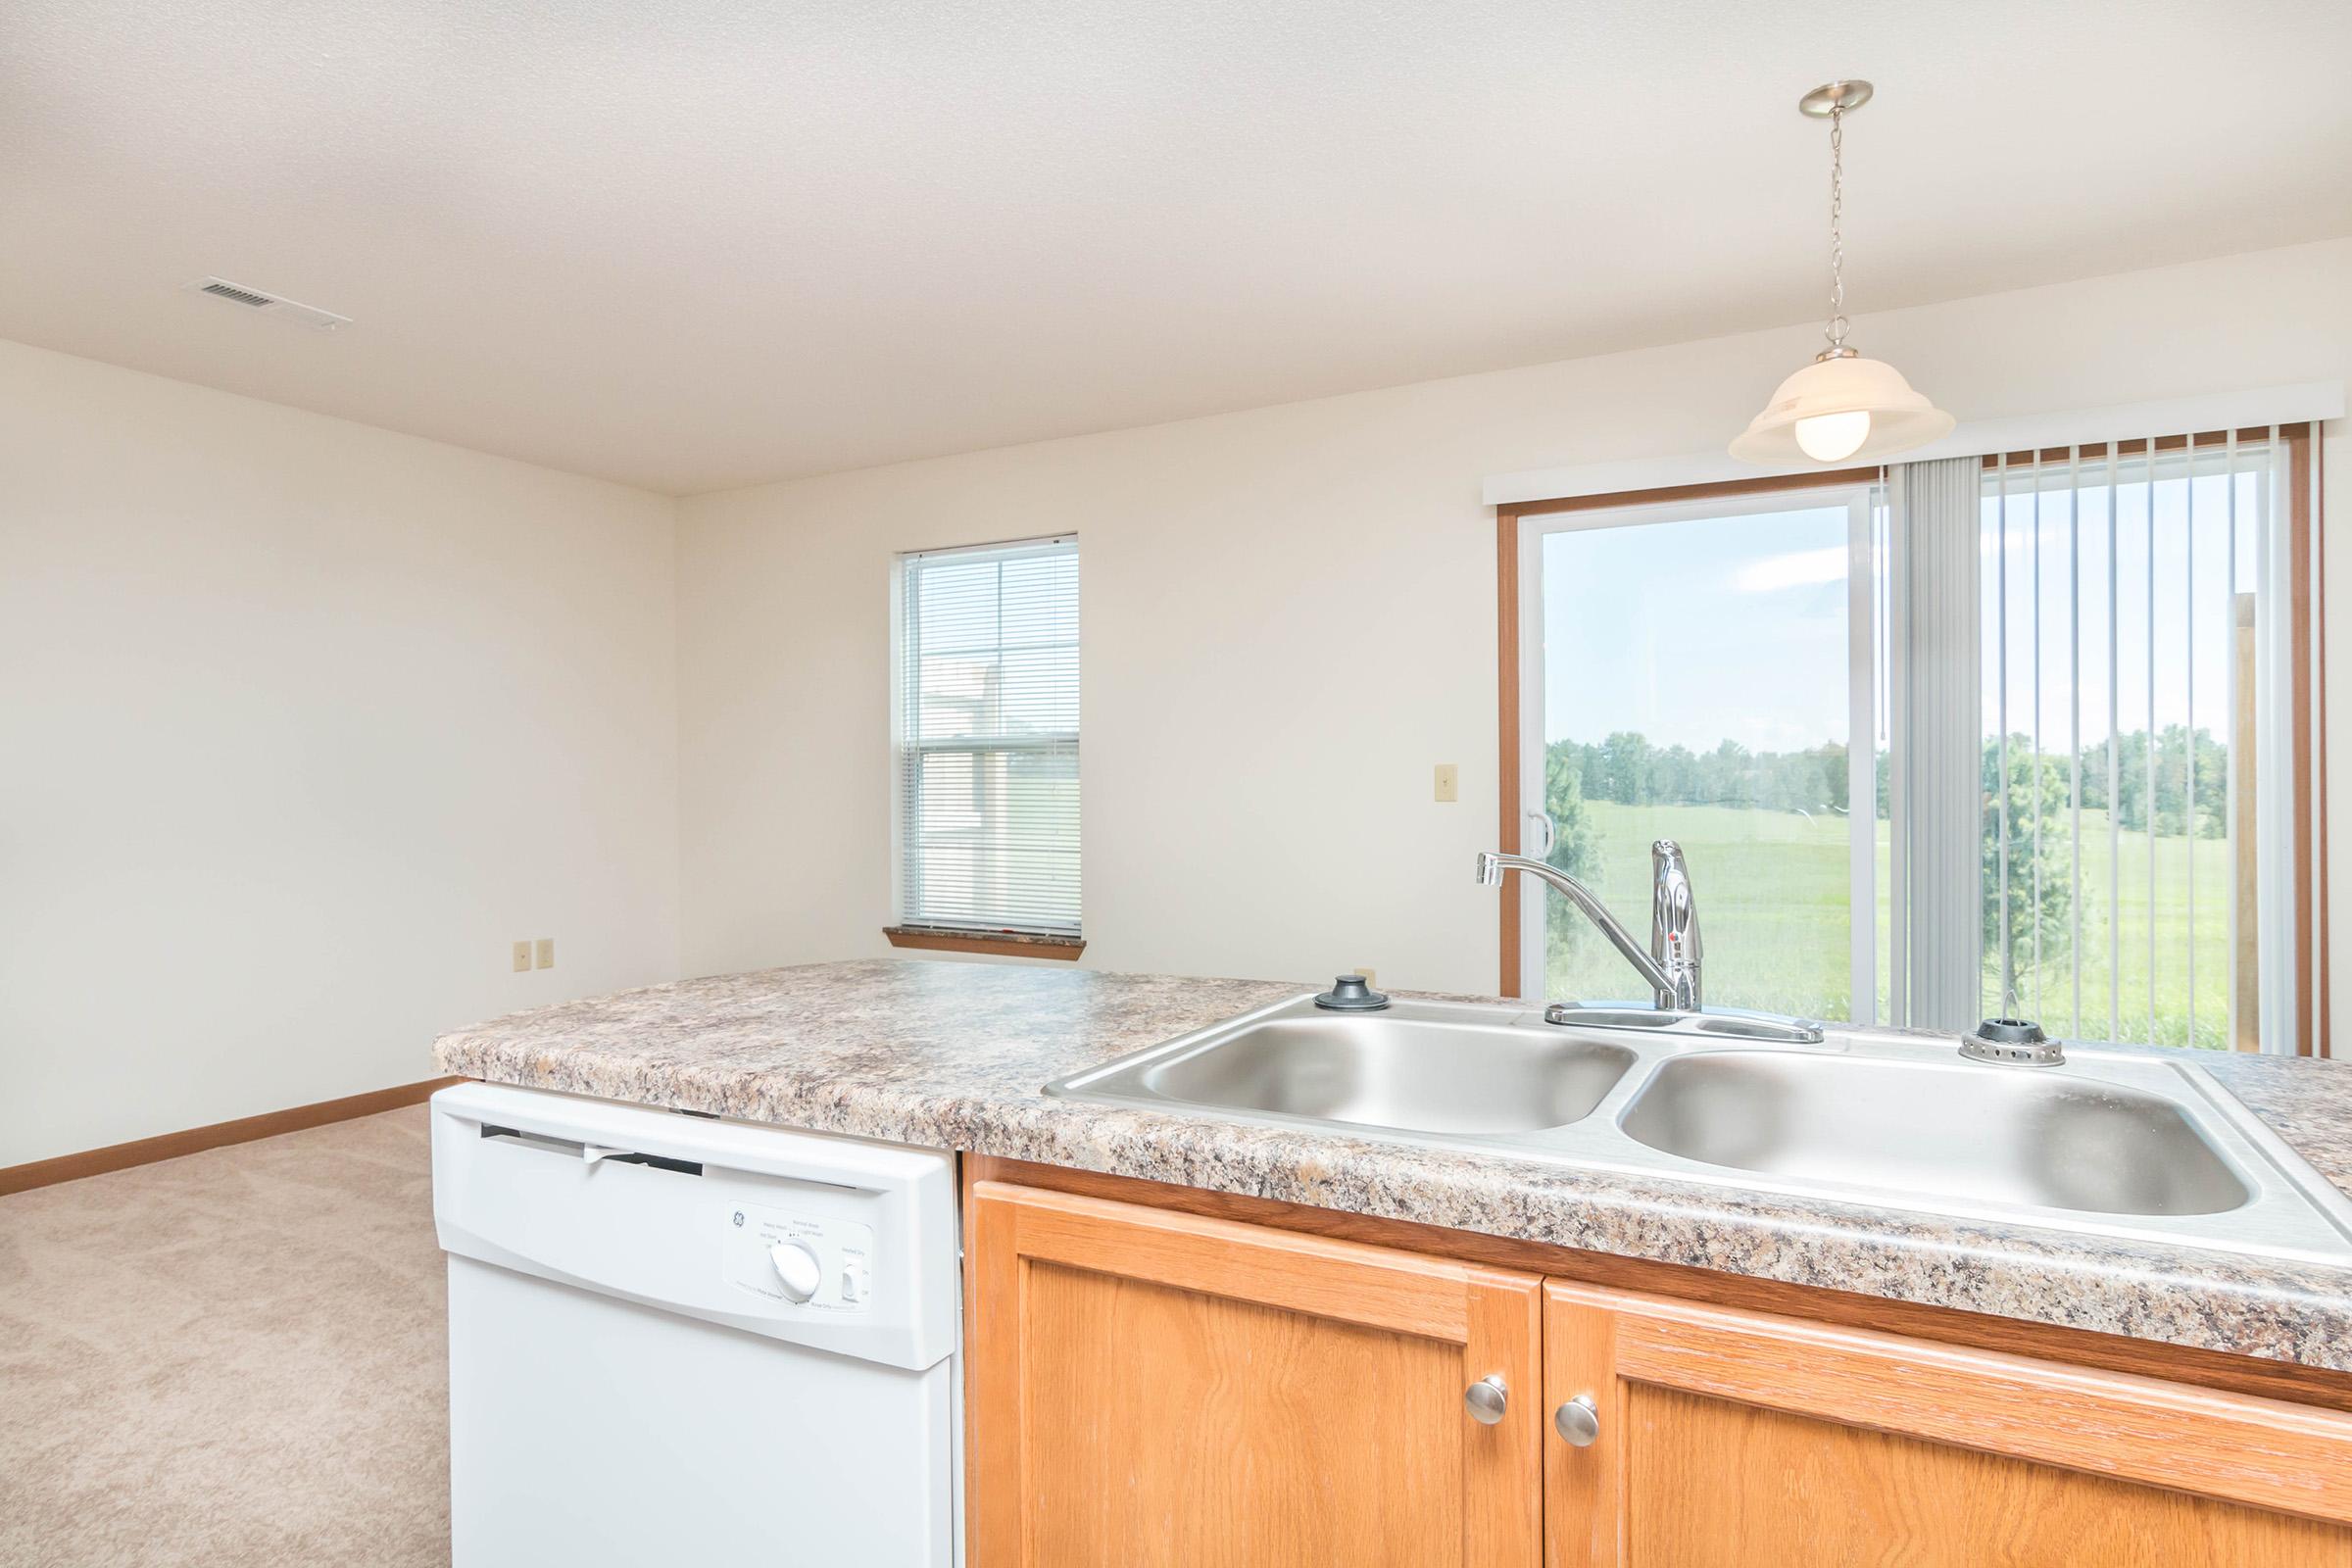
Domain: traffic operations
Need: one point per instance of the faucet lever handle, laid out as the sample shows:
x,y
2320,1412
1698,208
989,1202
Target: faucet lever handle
x,y
1674,941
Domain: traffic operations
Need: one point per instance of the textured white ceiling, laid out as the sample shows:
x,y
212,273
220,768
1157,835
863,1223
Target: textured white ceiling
x,y
691,245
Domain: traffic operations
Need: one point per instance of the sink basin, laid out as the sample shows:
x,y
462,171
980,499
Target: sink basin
x,y
1956,1131
1401,1073
2116,1144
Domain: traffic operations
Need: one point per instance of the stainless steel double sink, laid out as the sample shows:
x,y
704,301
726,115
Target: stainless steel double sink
x,y
2114,1141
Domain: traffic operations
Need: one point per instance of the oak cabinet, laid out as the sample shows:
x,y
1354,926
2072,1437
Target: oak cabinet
x,y
1738,1439
1149,1387
1156,1388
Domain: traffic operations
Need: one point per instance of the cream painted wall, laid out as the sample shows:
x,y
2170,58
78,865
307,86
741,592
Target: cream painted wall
x,y
1289,617
302,723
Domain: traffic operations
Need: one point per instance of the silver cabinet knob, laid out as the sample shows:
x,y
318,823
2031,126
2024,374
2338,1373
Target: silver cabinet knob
x,y
1487,1399
1578,1422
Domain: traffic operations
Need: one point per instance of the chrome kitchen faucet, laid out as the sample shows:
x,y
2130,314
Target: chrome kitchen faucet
x,y
1672,963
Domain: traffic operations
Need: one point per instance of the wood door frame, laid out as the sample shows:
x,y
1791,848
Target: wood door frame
x,y
2307,678
2307,541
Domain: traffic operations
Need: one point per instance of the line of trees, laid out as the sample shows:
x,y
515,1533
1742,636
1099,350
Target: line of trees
x,y
2171,779
1628,768
2037,919
2039,792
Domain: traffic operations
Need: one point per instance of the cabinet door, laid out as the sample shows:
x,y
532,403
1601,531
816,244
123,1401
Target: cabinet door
x,y
1152,1387
1736,1439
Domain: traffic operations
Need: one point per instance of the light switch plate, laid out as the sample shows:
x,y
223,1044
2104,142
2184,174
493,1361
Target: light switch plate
x,y
546,953
1449,780
523,956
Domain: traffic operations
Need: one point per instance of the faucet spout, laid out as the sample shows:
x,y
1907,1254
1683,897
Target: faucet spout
x,y
1490,869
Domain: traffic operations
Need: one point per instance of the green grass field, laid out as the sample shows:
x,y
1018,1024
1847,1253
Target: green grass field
x,y
1772,899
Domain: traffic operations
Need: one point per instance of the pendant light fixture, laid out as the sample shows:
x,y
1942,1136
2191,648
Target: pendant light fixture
x,y
1841,407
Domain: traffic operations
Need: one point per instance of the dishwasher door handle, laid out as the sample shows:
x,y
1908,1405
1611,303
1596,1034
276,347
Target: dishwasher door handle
x,y
590,1154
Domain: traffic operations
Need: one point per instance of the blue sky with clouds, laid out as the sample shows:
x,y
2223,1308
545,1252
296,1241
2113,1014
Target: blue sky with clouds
x,y
1694,633
1691,632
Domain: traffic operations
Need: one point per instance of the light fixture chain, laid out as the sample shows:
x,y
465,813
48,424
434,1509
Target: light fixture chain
x,y
1841,409
1837,328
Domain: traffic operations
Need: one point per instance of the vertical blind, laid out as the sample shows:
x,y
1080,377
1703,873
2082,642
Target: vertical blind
x,y
1932,558
988,738
2132,757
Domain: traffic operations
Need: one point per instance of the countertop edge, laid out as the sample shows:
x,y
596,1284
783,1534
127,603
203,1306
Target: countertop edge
x,y
2046,1278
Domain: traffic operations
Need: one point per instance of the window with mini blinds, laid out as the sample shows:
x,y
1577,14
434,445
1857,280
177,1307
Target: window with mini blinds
x,y
987,743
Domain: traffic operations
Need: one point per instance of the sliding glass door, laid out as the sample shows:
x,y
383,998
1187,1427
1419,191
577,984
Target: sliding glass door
x,y
2027,736
1700,672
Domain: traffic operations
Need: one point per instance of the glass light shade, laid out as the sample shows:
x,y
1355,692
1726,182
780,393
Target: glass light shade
x,y
1828,437
1810,417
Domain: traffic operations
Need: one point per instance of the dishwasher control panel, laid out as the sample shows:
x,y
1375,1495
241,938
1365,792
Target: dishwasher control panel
x,y
841,1245
816,1262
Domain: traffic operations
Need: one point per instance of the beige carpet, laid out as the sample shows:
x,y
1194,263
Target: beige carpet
x,y
234,1357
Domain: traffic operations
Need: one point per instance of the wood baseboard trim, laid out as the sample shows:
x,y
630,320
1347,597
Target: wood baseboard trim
x,y
220,1133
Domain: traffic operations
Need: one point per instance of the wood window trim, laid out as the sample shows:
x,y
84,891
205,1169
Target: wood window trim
x,y
999,944
2306,545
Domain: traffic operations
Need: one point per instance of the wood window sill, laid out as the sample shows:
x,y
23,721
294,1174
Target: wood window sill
x,y
1002,944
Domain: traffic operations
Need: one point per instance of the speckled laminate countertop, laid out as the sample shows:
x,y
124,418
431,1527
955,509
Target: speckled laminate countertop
x,y
953,1056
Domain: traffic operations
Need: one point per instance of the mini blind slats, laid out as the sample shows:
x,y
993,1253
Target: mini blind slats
x,y
988,738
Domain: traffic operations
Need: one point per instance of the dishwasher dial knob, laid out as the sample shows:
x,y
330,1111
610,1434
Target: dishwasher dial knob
x,y
797,1269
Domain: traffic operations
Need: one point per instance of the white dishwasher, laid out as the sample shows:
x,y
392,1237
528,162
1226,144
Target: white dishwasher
x,y
679,1340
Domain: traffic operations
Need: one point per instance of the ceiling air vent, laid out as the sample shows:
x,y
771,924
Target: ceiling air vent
x,y
230,291
253,299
